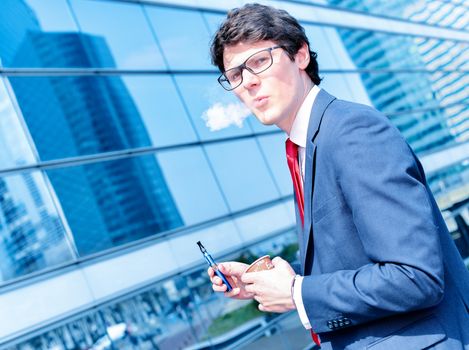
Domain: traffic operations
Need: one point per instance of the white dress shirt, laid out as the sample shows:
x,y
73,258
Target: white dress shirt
x,y
298,135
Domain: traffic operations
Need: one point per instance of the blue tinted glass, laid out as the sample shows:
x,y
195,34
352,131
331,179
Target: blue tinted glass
x,y
192,185
118,34
414,102
442,13
205,97
242,173
32,235
71,116
111,203
31,33
161,109
87,332
369,49
14,146
183,37
322,44
273,147
258,127
213,21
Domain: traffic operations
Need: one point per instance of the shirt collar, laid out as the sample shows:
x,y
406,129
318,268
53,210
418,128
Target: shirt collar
x,y
299,129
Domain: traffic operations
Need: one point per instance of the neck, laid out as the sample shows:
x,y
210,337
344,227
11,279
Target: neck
x,y
287,124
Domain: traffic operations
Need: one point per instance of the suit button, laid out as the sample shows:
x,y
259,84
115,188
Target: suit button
x,y
341,324
347,322
335,323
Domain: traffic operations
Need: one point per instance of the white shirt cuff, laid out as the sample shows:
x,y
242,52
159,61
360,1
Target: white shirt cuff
x,y
298,299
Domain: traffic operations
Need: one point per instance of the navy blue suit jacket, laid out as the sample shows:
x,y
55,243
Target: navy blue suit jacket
x,y
381,270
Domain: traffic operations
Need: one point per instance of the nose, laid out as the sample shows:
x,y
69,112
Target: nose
x,y
249,79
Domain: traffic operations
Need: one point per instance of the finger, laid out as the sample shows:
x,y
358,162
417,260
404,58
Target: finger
x,y
261,307
250,288
229,268
250,277
210,272
217,288
217,280
234,292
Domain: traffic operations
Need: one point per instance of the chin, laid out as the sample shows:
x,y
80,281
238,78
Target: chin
x,y
265,119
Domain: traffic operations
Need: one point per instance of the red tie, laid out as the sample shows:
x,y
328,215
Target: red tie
x,y
293,165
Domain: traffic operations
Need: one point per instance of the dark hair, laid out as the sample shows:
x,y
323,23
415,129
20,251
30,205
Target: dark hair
x,y
255,22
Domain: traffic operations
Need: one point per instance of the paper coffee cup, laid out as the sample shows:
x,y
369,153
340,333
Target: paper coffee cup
x,y
261,264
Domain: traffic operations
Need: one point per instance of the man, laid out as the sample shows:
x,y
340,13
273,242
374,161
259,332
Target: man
x,y
379,269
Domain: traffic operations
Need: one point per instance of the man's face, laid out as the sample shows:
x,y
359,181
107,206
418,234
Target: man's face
x,y
275,95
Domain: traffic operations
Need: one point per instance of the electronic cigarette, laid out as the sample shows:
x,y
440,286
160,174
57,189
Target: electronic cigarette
x,y
214,266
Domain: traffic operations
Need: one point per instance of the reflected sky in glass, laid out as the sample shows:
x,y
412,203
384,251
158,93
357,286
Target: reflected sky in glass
x,y
53,15
242,173
192,184
125,30
14,146
183,36
273,147
161,109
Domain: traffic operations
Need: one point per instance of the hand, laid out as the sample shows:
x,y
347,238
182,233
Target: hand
x,y
232,271
272,288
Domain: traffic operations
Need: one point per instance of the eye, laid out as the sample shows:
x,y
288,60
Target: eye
x,y
233,75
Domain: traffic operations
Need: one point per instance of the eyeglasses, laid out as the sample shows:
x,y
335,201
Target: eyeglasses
x,y
255,64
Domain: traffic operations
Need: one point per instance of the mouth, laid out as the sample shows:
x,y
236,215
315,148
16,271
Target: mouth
x,y
260,101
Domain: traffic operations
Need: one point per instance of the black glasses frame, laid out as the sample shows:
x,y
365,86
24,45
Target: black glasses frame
x,y
223,79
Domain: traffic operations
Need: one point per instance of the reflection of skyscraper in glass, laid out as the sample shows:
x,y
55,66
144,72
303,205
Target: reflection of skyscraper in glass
x,y
392,92
22,251
450,88
72,116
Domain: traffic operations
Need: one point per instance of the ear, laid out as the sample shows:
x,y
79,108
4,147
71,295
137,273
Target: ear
x,y
302,57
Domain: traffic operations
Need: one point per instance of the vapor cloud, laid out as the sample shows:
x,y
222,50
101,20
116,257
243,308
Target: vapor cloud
x,y
220,116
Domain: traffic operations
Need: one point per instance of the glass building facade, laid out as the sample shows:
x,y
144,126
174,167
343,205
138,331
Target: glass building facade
x,y
109,174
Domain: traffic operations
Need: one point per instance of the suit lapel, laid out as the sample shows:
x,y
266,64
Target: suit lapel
x,y
322,101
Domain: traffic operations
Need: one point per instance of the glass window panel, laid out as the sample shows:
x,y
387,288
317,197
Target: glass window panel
x,y
265,222
322,45
258,127
218,239
30,32
273,147
192,184
414,102
114,202
88,332
32,235
117,34
242,173
14,146
161,109
368,49
185,46
438,12
72,116
201,93
213,21
337,85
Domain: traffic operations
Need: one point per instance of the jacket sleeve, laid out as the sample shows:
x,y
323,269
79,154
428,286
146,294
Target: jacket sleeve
x,y
384,188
